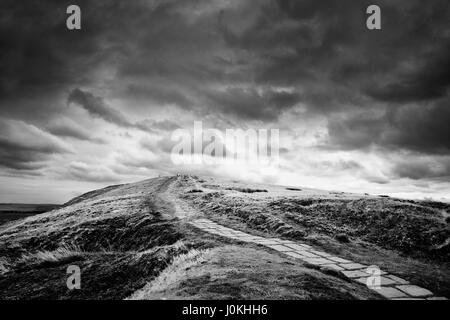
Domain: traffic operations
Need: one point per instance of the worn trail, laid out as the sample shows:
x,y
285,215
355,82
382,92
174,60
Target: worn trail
x,y
386,284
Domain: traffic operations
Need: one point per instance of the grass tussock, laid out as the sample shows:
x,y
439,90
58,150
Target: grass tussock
x,y
252,215
4,266
174,273
413,229
121,237
63,254
417,230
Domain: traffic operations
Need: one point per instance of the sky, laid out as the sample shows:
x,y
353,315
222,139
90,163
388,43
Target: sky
x,y
358,110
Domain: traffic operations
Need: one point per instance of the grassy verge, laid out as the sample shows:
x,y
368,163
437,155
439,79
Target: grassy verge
x,y
406,238
240,272
173,274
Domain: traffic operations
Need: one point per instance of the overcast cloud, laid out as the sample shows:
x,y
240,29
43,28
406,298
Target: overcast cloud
x,y
358,110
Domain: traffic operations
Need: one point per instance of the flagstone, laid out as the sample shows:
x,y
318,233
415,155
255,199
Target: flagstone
x,y
383,280
295,246
415,291
391,286
340,260
397,279
390,293
333,266
318,261
320,253
352,266
280,247
306,254
355,274
266,242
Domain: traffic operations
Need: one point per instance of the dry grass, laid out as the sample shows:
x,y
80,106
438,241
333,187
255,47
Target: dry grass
x,y
4,266
132,245
414,229
408,238
122,238
62,254
236,272
173,274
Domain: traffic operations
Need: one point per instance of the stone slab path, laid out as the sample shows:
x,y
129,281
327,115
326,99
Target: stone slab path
x,y
390,286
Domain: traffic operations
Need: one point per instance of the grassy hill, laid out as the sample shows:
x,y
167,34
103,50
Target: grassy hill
x,y
135,241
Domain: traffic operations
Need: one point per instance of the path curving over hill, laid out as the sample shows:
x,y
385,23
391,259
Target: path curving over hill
x,y
204,238
388,285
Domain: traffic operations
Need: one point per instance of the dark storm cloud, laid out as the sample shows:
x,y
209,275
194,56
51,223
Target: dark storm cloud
x,y
39,53
69,131
26,147
251,104
97,107
417,127
66,128
161,94
420,168
324,50
427,81
242,60
172,52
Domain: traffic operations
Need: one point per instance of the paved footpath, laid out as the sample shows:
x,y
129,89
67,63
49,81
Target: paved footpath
x,y
391,286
